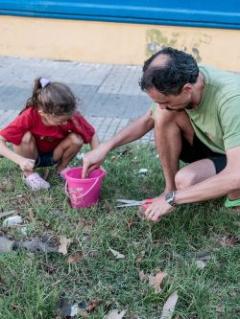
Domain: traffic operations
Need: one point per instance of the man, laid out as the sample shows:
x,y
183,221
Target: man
x,y
197,120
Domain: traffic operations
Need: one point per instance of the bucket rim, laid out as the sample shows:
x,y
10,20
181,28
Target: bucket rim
x,y
85,179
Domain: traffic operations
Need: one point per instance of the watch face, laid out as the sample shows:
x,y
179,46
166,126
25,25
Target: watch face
x,y
170,198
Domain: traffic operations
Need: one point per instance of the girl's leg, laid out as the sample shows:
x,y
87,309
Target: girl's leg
x,y
66,150
27,148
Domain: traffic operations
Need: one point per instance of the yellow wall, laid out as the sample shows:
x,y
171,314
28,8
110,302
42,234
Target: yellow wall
x,y
120,43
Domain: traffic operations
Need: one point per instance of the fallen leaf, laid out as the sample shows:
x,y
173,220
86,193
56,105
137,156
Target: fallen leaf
x,y
75,258
116,253
169,306
140,257
31,215
63,245
49,268
93,305
155,281
115,314
142,276
229,241
130,222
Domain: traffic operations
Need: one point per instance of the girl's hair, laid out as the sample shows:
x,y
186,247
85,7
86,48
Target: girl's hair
x,y
52,97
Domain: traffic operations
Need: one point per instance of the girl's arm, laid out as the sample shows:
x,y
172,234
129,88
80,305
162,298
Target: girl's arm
x,y
26,164
94,142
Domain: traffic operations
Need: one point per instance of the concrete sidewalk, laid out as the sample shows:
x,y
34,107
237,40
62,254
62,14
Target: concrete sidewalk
x,y
109,95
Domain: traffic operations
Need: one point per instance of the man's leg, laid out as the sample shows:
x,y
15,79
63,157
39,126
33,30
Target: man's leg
x,y
169,127
199,171
194,173
66,150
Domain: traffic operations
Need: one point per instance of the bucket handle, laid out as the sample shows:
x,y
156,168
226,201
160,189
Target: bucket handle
x,y
89,190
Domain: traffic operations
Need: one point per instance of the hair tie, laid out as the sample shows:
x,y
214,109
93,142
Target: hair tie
x,y
44,82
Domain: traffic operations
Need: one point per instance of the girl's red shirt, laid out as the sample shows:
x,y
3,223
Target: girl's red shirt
x,y
47,137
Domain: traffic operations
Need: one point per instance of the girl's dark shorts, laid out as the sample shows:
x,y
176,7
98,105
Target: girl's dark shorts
x,y
198,151
45,159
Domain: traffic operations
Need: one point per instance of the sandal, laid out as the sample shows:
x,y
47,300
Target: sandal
x,y
35,182
230,203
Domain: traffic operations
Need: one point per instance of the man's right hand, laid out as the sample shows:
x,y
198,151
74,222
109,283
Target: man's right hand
x,y
94,159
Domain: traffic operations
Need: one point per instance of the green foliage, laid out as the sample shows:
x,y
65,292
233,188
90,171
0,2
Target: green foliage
x,y
31,284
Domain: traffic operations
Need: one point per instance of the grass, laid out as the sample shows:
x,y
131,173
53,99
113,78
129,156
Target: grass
x,y
31,284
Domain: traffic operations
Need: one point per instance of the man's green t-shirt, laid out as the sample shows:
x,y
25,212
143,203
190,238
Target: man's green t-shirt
x,y
216,120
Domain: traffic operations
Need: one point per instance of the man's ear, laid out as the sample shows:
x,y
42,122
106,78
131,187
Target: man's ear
x,y
187,88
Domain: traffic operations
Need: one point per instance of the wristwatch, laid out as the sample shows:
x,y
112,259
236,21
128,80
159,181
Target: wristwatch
x,y
170,198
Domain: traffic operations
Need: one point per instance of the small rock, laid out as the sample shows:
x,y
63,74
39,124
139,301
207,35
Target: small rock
x,y
143,171
12,221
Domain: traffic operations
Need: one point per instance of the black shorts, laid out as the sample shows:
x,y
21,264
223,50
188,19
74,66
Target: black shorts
x,y
198,151
45,159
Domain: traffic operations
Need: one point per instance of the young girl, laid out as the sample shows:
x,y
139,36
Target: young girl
x,y
47,132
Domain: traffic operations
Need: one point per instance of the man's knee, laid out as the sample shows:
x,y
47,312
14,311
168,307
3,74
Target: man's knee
x,y
184,178
75,139
164,117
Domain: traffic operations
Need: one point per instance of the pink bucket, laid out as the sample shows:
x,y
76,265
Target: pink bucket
x,y
83,192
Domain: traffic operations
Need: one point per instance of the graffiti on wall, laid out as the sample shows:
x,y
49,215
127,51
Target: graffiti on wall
x,y
156,40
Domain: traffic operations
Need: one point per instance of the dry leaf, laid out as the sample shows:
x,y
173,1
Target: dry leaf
x,y
63,244
31,215
115,314
130,222
142,276
92,305
75,258
155,281
229,241
116,253
169,306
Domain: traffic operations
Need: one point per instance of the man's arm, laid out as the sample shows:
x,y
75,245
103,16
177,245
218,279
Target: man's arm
x,y
221,184
132,132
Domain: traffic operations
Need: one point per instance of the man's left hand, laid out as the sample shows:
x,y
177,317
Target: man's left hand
x,y
157,209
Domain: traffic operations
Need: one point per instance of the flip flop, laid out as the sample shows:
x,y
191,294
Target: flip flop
x,y
231,203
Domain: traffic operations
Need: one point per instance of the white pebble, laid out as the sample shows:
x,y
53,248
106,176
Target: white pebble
x,y
12,221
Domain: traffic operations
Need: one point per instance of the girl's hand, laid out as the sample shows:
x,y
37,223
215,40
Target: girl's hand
x,y
27,164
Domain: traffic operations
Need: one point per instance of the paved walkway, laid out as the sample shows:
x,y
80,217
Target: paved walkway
x,y
109,95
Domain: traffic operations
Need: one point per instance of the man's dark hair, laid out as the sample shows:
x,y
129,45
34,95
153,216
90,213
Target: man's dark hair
x,y
180,68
